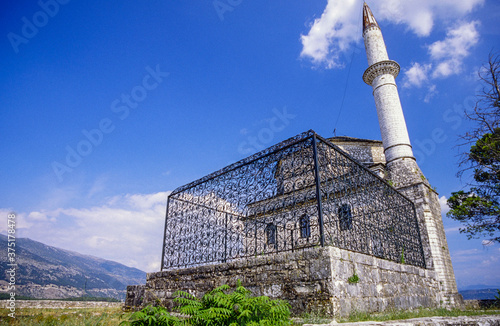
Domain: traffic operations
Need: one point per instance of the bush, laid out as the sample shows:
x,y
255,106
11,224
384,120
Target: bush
x,y
149,316
219,307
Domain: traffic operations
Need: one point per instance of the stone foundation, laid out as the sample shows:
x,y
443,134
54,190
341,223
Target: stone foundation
x,y
311,280
409,180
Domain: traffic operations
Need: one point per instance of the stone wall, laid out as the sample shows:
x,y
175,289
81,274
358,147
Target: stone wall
x,y
408,179
314,279
370,153
135,296
365,151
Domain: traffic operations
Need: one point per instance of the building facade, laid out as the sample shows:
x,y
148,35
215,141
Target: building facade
x,y
299,220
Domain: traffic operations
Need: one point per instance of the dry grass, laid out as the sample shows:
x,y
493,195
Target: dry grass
x,y
64,317
113,316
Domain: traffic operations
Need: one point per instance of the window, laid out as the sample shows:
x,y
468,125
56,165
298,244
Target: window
x,y
271,234
305,227
345,217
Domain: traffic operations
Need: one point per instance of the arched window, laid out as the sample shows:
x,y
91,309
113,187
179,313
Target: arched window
x,y
271,234
345,217
305,226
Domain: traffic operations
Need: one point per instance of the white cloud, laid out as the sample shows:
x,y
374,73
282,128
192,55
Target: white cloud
x,y
476,266
20,221
450,52
37,216
98,186
452,229
332,35
147,201
487,243
445,57
444,206
416,75
419,15
127,229
418,18
430,93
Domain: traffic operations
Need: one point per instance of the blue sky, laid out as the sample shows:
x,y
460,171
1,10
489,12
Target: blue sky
x,y
153,95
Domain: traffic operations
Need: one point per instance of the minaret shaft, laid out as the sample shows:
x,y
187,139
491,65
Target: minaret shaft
x,y
376,44
390,115
381,75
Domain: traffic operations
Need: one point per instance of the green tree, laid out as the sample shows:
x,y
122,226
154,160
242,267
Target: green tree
x,y
479,207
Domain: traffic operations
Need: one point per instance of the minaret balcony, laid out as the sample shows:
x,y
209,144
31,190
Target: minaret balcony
x,y
381,68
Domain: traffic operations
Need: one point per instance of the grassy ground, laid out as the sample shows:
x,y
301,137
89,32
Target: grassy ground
x,y
63,317
113,316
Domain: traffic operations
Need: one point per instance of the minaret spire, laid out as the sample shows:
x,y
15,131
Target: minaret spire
x,y
381,75
368,18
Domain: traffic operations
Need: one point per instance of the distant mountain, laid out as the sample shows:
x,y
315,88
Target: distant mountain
x,y
479,294
52,273
478,287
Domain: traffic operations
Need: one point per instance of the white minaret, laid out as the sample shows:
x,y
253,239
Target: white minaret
x,y
381,75
401,167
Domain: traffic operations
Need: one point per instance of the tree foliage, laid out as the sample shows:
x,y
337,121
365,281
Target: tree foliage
x,y
219,307
479,208
152,316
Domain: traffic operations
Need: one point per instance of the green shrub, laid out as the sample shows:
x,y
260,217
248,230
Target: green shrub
x,y
353,279
152,316
219,307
